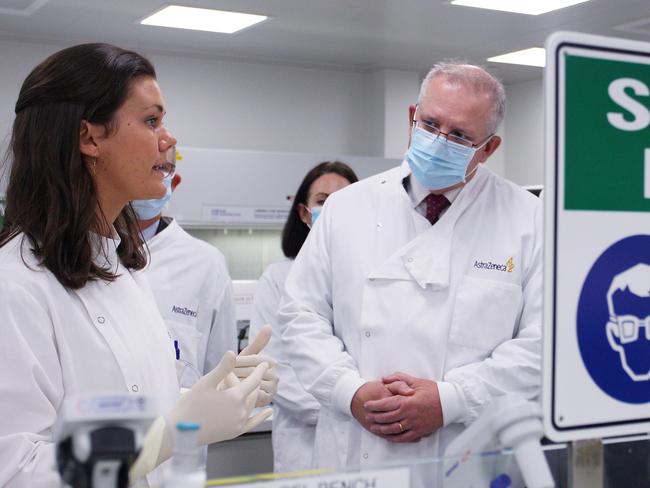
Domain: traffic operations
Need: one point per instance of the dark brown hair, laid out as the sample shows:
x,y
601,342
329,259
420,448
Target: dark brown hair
x,y
51,197
295,231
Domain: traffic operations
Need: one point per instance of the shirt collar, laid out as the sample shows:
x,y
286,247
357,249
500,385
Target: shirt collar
x,y
105,248
417,192
150,231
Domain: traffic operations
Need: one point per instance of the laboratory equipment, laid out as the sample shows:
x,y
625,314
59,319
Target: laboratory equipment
x,y
187,466
509,423
99,436
244,292
249,189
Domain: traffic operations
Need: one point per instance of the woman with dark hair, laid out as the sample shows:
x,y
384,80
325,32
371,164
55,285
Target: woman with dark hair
x,y
295,411
76,316
321,181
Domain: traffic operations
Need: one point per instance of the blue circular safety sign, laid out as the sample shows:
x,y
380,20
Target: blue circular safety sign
x,y
613,320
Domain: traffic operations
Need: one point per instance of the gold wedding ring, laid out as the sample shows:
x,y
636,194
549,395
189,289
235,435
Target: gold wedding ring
x,y
401,427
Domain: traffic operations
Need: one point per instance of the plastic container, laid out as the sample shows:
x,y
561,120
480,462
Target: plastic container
x,y
187,466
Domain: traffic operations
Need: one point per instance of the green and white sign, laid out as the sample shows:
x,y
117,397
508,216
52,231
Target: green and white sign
x,y
597,236
607,116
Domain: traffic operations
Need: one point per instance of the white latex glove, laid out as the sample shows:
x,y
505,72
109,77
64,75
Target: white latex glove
x,y
250,358
222,413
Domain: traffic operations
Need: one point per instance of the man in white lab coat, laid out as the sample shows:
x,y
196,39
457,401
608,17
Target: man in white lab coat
x,y
440,292
193,290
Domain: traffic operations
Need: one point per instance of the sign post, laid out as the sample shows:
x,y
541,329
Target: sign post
x,y
597,231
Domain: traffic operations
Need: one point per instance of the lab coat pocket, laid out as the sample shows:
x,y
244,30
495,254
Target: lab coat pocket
x,y
485,313
187,340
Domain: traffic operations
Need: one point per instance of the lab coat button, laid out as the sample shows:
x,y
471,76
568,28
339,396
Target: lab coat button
x,y
410,260
367,334
365,455
379,224
101,319
383,182
135,388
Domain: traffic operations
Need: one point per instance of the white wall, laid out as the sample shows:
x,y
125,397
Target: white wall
x,y
497,161
524,129
17,61
233,105
401,89
238,105
257,106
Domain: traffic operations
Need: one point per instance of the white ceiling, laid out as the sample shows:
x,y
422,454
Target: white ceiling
x,y
360,35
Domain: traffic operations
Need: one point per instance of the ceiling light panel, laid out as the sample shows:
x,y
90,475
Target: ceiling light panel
x,y
534,56
529,7
202,19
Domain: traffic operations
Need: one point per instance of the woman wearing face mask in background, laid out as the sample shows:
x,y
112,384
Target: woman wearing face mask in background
x,y
295,411
76,315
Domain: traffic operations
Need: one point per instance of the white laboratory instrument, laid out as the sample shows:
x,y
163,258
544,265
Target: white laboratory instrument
x,y
249,189
98,437
474,459
187,466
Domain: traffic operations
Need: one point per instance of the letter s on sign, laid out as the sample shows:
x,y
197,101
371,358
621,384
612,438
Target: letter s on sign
x,y
641,114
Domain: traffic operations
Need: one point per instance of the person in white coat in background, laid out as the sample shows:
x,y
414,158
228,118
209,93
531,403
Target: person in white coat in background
x,y
430,274
295,411
76,315
190,282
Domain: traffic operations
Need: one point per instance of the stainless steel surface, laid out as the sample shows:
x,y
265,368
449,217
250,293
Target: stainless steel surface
x,y
586,464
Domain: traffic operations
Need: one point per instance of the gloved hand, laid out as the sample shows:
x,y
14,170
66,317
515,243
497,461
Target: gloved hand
x,y
250,358
221,413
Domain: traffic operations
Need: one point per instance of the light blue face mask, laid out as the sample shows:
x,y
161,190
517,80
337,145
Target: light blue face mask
x,y
148,209
315,213
436,162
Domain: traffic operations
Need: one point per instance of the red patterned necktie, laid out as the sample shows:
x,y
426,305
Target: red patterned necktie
x,y
435,205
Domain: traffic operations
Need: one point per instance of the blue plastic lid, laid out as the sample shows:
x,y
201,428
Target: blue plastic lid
x,y
187,426
502,481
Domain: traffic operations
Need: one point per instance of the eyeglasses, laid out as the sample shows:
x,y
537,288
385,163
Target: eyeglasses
x,y
628,327
456,139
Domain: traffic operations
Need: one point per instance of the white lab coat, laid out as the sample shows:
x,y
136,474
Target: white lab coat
x,y
377,289
295,411
193,291
104,337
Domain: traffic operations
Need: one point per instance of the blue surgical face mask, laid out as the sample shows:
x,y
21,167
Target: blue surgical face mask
x,y
148,209
436,162
315,213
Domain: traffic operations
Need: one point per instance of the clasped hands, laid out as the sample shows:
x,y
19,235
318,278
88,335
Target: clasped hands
x,y
399,408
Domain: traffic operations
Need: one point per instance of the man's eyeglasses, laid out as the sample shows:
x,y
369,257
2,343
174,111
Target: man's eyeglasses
x,y
455,138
